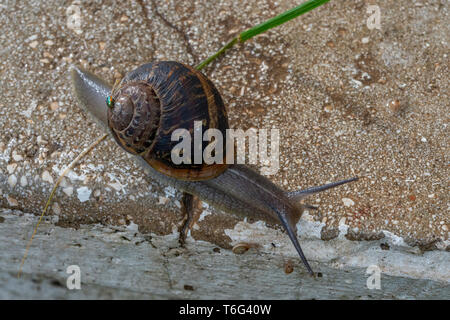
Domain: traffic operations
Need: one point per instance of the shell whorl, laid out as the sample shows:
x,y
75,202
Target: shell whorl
x,y
154,100
135,116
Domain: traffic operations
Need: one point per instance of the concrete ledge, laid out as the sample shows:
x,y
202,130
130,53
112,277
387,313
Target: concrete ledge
x,y
122,263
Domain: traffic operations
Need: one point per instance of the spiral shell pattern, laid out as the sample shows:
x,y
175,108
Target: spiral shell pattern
x,y
154,100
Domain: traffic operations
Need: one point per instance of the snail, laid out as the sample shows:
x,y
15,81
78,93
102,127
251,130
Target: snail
x,y
167,95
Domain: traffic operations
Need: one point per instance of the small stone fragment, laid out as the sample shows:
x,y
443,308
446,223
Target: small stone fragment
x,y
348,202
163,200
56,208
12,202
16,157
11,168
243,247
68,191
34,44
328,108
23,181
54,106
12,180
394,105
288,267
83,194
46,176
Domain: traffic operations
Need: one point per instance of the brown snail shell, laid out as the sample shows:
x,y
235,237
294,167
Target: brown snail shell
x,y
154,100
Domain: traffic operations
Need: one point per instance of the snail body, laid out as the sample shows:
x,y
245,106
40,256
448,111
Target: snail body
x,y
233,188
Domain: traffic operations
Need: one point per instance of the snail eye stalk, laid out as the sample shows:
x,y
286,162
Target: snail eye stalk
x,y
110,102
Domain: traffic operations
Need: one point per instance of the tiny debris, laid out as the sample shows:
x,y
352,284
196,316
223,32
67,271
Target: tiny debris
x,y
116,186
40,140
34,44
11,168
12,202
16,157
46,176
23,181
288,267
83,194
328,108
56,208
365,40
54,106
348,202
163,200
243,247
68,191
394,105
12,180
97,193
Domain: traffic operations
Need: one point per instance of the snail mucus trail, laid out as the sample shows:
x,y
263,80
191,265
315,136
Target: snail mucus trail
x,y
181,95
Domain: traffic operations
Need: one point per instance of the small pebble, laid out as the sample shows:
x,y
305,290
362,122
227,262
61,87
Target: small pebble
x,y
163,200
17,157
328,108
116,186
68,191
12,180
34,44
83,194
365,40
348,202
288,267
242,247
56,208
46,176
12,202
11,168
394,105
23,181
54,106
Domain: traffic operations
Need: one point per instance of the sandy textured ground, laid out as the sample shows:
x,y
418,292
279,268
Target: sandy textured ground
x,y
347,101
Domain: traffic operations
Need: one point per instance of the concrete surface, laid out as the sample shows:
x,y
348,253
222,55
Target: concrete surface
x,y
325,80
120,263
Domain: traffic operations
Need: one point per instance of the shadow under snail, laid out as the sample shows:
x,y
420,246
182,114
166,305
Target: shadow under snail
x,y
155,99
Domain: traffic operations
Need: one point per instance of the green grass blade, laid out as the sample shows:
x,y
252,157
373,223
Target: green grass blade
x,y
269,24
280,19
